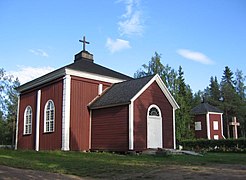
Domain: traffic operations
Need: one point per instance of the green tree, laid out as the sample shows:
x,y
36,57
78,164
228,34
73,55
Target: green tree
x,y
214,95
12,105
8,107
183,117
229,97
241,106
155,66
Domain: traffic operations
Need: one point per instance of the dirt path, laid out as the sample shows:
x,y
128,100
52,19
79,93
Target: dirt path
x,y
163,172
7,173
196,172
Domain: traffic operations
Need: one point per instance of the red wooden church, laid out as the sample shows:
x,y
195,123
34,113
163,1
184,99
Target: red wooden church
x,y
208,121
84,106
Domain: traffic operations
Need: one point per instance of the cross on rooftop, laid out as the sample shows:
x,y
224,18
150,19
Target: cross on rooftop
x,y
234,125
84,42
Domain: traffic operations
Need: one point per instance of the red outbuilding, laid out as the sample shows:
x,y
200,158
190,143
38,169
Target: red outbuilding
x,y
85,106
208,121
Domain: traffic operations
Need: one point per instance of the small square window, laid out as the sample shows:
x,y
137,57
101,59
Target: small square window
x,y
198,126
216,137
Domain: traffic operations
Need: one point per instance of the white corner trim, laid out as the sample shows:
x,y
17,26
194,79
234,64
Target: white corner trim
x,y
66,113
90,129
174,130
100,89
208,126
221,120
38,120
131,126
92,76
17,123
163,88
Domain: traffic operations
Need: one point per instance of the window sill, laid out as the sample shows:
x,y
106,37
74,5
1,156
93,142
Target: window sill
x,y
50,132
27,134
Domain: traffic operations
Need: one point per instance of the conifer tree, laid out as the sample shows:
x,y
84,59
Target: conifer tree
x,y
229,97
214,92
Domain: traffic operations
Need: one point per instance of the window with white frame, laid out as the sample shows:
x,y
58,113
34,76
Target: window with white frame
x,y
216,125
49,117
28,120
198,126
216,137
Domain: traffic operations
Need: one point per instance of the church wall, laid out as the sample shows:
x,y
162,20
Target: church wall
x,y
212,118
110,129
203,132
27,141
153,95
83,91
52,140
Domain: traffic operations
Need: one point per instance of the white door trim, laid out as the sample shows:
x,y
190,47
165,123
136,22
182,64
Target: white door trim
x,y
154,138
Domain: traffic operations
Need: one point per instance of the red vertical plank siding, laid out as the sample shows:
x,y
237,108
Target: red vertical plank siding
x,y
203,132
212,118
27,141
83,91
152,95
110,128
53,140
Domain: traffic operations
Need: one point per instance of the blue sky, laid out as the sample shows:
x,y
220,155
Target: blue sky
x,y
202,36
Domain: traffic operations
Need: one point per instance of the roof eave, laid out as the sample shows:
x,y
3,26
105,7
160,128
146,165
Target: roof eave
x,y
109,106
42,80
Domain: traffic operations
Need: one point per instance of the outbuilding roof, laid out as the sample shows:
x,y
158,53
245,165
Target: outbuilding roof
x,y
125,92
204,108
120,93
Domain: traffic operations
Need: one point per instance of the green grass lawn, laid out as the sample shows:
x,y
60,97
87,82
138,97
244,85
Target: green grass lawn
x,y
103,165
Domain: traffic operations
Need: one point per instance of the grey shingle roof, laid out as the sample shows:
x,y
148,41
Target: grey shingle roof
x,y
90,67
120,93
205,108
81,65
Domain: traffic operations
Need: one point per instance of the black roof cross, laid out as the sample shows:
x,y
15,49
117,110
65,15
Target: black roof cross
x,y
84,42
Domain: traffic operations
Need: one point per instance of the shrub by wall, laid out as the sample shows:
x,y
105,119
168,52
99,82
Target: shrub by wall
x,y
233,145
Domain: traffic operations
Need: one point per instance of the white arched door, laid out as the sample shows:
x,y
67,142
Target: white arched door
x,y
154,127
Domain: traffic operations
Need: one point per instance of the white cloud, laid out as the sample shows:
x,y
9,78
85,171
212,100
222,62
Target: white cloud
x,y
131,22
26,74
117,45
195,56
39,52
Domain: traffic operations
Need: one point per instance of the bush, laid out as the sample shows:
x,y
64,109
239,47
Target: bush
x,y
225,145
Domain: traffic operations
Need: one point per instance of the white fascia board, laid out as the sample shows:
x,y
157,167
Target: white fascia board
x,y
42,80
166,92
92,76
163,88
215,113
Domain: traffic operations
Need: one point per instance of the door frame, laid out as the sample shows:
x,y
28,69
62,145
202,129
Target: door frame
x,y
149,119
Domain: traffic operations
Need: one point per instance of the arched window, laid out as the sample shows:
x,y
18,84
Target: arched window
x,y
28,120
49,117
154,112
